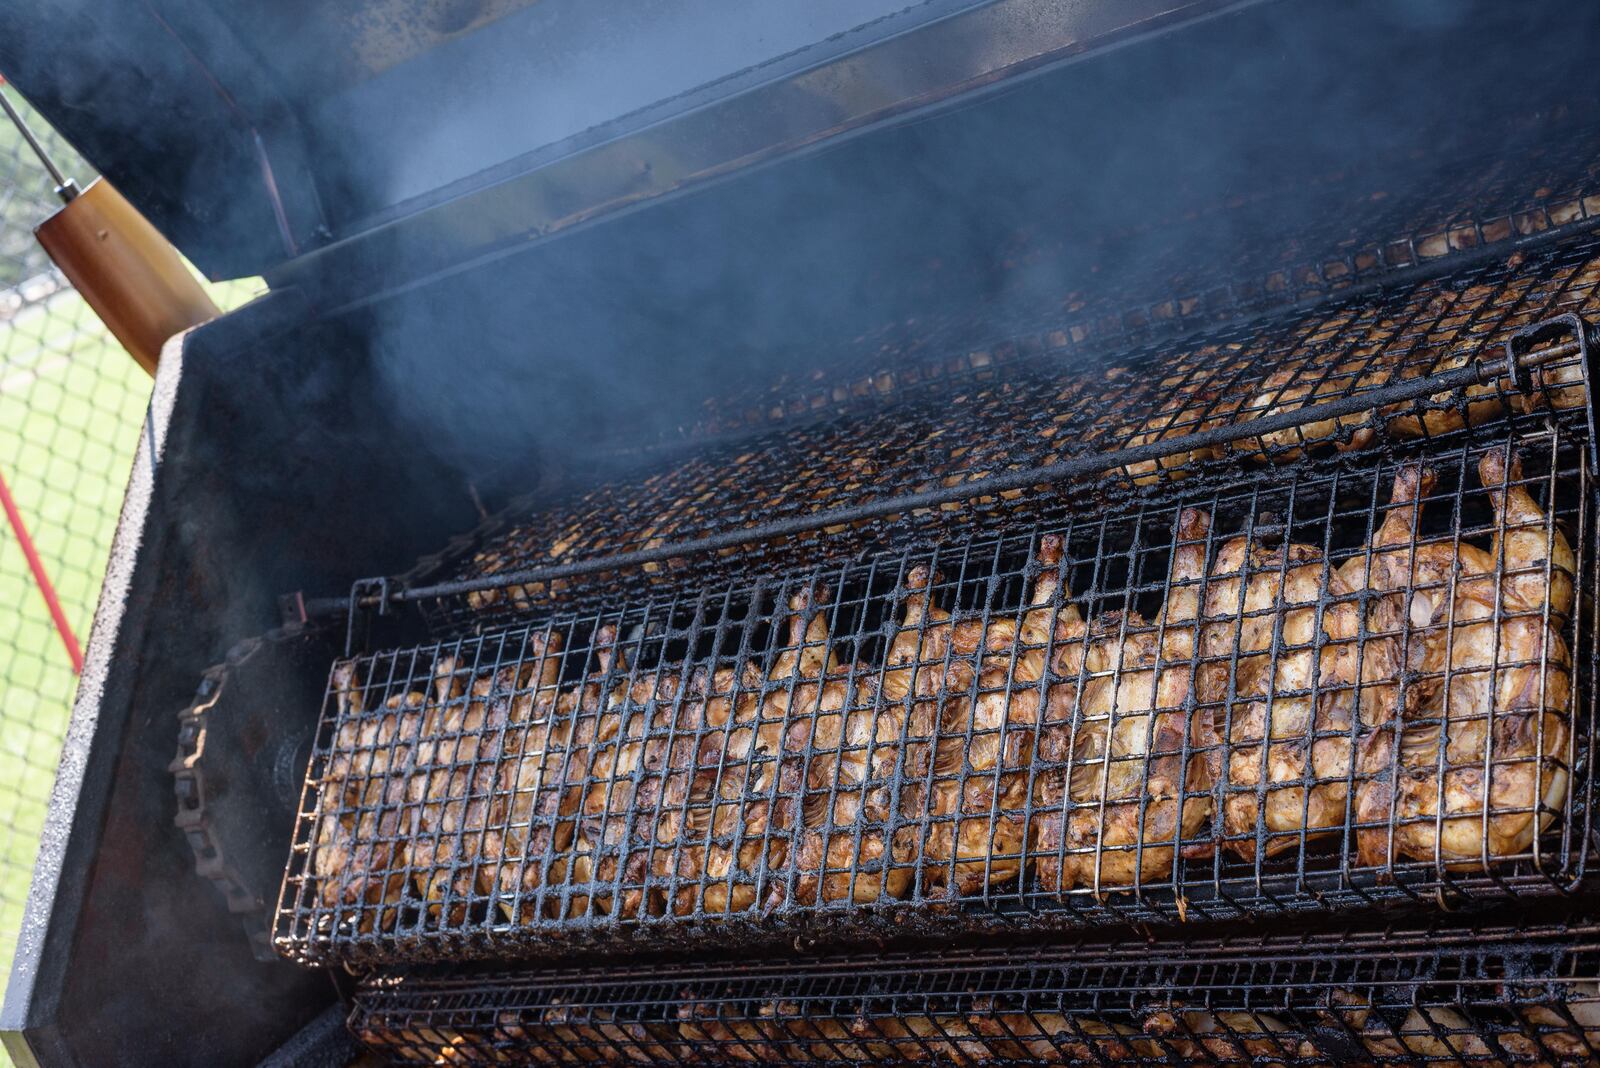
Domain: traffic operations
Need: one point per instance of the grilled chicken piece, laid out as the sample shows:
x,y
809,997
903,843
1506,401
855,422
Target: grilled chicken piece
x,y
1168,424
814,1037
470,742
1434,1034
1568,1031
364,831
842,852
1134,793
978,830
551,782
550,1038
536,828
1064,740
726,826
427,1045
517,718
1288,730
1502,717
1301,385
1051,1038
1223,1037
1444,412
721,1035
629,750
901,1039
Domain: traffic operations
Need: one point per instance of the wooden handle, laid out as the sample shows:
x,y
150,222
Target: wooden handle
x,y
126,271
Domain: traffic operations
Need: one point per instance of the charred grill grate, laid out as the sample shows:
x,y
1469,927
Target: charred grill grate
x,y
1082,742
938,423
1511,997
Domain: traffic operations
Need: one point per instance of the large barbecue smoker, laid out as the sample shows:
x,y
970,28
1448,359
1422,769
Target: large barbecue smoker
x,y
935,532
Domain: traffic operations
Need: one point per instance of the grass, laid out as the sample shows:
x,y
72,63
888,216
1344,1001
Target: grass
x,y
72,405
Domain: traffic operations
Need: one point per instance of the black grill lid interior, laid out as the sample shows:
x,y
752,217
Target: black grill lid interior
x,y
368,119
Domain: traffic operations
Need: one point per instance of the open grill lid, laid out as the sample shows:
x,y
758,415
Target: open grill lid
x,y
368,143
254,134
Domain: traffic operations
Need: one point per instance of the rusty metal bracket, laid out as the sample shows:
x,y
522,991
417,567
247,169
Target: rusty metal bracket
x,y
368,596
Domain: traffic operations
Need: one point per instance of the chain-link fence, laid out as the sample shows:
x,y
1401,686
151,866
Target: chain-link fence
x,y
71,406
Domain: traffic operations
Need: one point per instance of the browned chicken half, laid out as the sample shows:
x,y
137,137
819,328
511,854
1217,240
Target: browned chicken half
x,y
729,843
1064,739
988,719
1142,784
1483,768
843,851
1289,729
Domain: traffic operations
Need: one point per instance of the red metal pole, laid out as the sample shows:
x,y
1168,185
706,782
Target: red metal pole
x,y
48,591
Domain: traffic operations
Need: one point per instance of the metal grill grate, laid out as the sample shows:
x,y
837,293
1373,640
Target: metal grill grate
x,y
950,421
1512,997
1060,725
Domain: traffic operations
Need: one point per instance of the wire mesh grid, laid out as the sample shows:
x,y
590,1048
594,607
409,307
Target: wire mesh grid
x,y
945,422
1520,997
1349,682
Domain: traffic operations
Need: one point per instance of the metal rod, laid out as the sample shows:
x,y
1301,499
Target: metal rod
x,y
41,577
66,188
1410,389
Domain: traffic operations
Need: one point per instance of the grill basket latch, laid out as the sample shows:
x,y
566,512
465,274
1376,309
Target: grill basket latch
x,y
368,597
